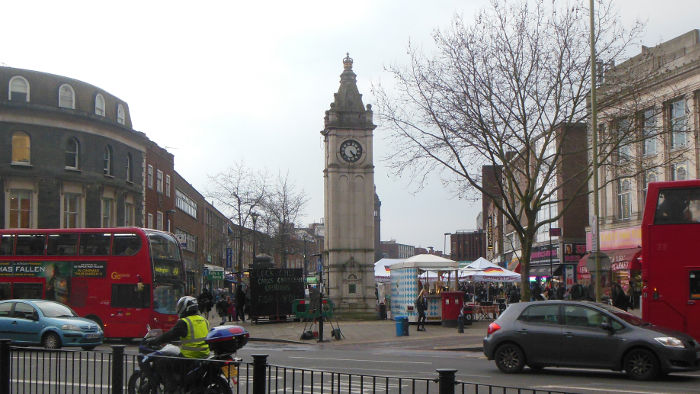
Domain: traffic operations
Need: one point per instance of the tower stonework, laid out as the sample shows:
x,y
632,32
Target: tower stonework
x,y
348,179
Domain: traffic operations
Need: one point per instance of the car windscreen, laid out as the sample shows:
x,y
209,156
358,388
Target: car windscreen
x,y
52,309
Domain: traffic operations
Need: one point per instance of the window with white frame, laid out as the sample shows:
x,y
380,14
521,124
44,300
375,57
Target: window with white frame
x,y
128,214
159,220
99,105
159,181
66,96
150,220
107,160
649,176
71,210
167,185
679,132
20,208
150,177
649,132
129,174
72,154
21,148
679,172
19,89
185,204
107,212
121,115
624,202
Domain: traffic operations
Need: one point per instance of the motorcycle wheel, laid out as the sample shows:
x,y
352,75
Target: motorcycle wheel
x,y
140,384
218,386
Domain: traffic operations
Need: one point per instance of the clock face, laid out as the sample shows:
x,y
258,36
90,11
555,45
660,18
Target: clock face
x,y
350,151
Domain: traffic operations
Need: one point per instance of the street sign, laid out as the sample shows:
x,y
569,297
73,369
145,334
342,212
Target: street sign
x,y
229,258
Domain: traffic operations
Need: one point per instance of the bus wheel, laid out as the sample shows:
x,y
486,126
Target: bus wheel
x,y
51,341
96,320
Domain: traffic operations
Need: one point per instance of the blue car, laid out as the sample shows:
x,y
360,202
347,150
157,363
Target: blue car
x,y
47,323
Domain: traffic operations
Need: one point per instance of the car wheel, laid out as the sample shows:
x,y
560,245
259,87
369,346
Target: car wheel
x,y
509,358
641,364
51,341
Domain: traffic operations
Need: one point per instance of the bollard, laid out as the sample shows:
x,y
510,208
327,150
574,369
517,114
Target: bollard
x,y
259,372
460,323
446,381
4,366
118,369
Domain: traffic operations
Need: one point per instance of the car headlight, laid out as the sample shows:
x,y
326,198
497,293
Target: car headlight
x,y
70,327
670,341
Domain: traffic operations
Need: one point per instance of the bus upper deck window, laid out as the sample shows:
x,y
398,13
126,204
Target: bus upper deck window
x,y
6,241
126,244
94,244
62,245
30,245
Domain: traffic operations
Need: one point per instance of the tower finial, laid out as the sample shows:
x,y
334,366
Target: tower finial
x,y
347,62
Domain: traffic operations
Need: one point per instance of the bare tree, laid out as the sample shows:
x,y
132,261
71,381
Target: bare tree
x,y
240,191
283,208
503,92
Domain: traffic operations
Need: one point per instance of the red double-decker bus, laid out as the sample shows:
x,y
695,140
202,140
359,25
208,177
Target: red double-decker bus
x,y
671,257
122,278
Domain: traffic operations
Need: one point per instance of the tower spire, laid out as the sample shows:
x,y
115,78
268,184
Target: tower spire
x,y
347,110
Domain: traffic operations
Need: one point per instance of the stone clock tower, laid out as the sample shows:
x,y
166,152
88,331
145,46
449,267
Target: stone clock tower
x,y
348,180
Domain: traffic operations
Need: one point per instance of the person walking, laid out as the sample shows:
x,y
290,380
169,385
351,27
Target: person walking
x,y
619,298
222,309
421,306
240,303
204,301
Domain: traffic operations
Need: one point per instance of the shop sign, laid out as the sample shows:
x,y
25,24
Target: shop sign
x,y
489,233
542,254
622,238
620,265
216,275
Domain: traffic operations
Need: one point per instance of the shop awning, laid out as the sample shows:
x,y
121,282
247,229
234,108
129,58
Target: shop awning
x,y
618,259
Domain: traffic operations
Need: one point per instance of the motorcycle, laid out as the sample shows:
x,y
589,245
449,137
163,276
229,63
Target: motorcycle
x,y
161,369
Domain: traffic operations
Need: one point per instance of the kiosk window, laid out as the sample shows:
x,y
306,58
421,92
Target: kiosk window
x,y
30,245
130,296
94,244
6,241
694,279
62,245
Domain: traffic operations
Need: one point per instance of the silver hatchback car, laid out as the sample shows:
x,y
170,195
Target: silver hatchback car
x,y
586,335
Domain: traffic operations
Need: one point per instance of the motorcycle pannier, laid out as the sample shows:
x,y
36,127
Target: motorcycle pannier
x,y
227,339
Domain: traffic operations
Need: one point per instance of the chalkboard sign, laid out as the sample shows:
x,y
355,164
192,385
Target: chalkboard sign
x,y
273,290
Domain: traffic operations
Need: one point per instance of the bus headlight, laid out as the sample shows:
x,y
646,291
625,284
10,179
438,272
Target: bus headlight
x,y
70,327
670,341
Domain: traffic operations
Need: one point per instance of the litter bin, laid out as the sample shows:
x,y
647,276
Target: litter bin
x,y
401,326
468,314
382,311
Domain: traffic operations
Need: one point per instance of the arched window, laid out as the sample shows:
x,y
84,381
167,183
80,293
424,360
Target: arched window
x,y
66,96
108,160
129,175
21,148
99,105
121,117
19,89
72,153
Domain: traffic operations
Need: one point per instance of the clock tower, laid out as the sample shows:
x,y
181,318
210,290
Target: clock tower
x,y
348,180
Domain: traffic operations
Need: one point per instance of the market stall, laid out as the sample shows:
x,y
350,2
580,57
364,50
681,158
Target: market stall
x,y
409,276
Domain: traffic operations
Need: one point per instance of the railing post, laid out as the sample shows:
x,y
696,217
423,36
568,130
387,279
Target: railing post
x,y
446,381
4,366
117,369
259,372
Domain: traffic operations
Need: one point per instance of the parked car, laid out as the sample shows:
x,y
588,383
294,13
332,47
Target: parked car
x,y
47,323
586,335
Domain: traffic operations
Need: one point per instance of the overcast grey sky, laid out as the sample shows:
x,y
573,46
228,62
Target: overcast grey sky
x,y
218,81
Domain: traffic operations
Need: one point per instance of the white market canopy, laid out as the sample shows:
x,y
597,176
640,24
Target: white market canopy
x,y
427,262
381,268
482,270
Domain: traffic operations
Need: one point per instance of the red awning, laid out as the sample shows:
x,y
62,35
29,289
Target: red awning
x,y
616,260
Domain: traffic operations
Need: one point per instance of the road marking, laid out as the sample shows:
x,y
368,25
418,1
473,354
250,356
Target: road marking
x,y
588,388
364,361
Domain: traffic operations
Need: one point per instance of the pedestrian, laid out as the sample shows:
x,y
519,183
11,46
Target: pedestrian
x,y
204,300
222,309
619,298
421,305
231,312
240,302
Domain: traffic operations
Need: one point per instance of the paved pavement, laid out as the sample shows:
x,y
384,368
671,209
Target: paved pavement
x,y
366,332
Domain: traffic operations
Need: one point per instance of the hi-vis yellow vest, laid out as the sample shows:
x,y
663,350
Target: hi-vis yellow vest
x,y
193,345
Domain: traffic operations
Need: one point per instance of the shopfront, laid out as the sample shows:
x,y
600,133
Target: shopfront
x,y
620,257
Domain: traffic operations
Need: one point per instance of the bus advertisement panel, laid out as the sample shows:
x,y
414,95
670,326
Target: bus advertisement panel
x,y
122,278
670,259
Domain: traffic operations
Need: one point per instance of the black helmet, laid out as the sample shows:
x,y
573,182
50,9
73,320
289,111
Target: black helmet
x,y
186,306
